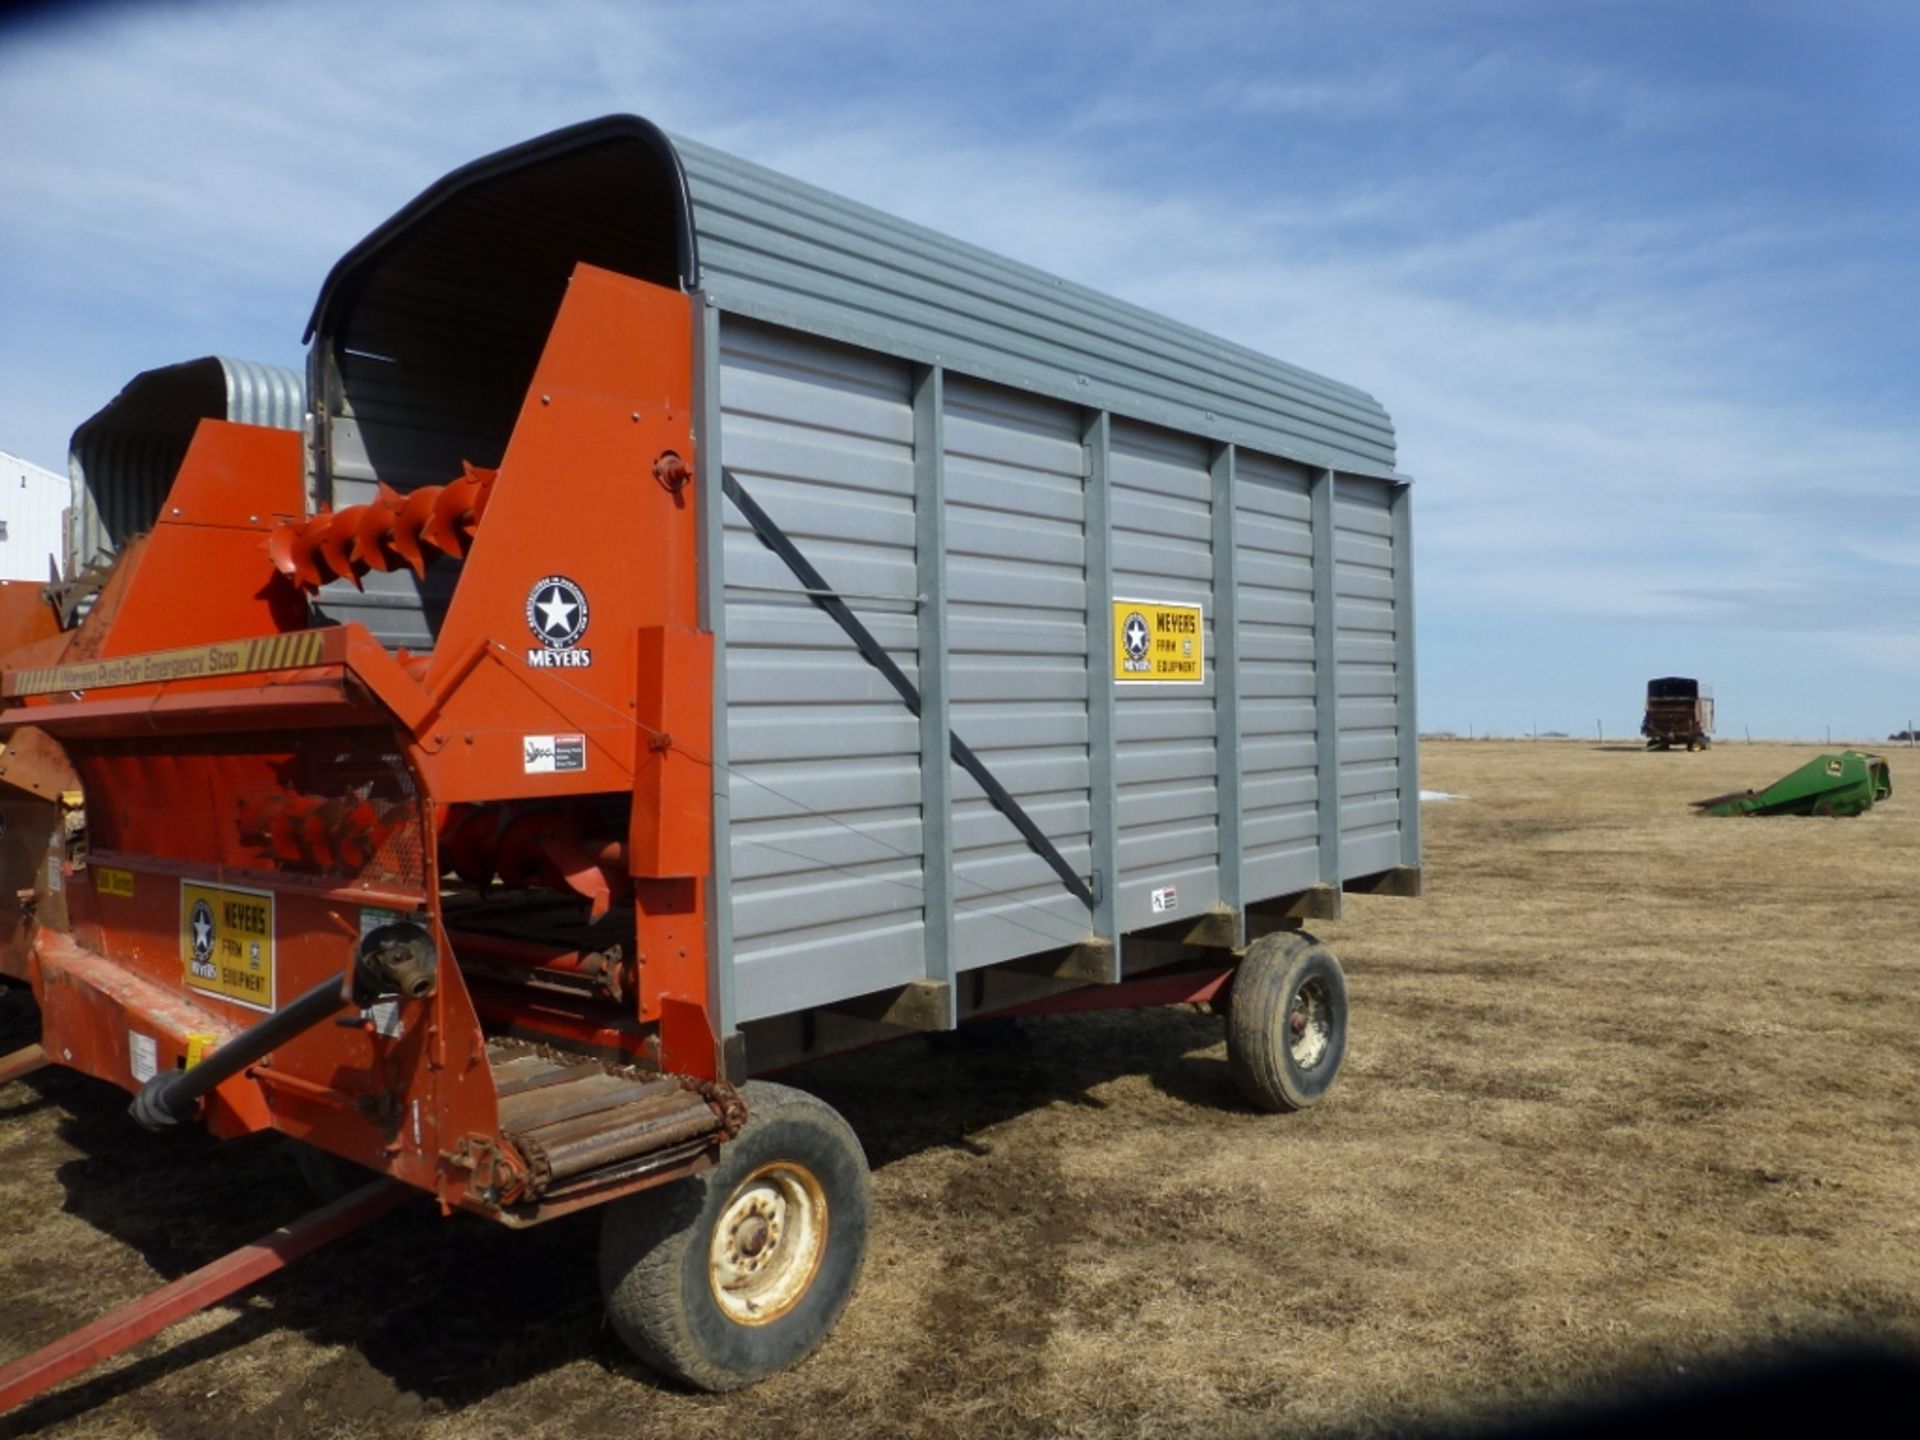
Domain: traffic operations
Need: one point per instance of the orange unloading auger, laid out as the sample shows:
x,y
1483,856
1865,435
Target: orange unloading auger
x,y
557,847
282,819
394,530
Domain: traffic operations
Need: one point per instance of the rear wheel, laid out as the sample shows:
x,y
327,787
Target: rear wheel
x,y
724,1278
1287,1025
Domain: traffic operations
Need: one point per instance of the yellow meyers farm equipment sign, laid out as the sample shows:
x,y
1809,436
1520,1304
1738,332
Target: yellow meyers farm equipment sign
x,y
226,942
1156,642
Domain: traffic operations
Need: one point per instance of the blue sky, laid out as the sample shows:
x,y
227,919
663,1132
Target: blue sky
x,y
1637,281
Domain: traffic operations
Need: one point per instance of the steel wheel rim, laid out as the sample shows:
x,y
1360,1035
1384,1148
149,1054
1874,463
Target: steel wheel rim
x,y
768,1243
1310,1023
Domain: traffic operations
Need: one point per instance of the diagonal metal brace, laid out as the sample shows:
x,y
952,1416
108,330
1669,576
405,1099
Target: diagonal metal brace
x,y
829,600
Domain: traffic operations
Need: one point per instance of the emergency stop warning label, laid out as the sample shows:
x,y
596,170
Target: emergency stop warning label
x,y
1158,642
226,943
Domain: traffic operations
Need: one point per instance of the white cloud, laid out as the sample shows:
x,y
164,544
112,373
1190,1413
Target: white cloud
x,y
1613,409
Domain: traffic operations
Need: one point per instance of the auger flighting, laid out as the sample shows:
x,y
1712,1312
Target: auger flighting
x,y
391,531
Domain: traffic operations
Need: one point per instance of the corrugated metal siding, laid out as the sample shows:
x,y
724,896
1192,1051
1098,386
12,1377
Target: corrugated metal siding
x,y
402,426
261,394
1165,756
123,459
1273,529
427,332
33,503
783,251
821,314
437,327
1366,617
1017,643
824,788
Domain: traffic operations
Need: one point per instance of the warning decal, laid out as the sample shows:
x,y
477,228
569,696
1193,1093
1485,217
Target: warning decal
x,y
1158,642
107,881
226,942
551,754
294,650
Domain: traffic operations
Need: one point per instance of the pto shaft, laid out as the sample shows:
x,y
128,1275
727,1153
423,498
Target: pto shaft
x,y
169,1098
394,959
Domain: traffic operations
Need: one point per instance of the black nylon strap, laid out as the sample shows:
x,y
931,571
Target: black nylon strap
x,y
823,595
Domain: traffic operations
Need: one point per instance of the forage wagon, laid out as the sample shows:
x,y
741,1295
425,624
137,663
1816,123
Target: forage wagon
x,y
689,624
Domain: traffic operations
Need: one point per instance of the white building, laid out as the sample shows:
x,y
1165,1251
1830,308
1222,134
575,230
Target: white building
x,y
33,504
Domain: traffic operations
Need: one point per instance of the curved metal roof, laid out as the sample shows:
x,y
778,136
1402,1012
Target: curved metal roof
x,y
123,457
620,193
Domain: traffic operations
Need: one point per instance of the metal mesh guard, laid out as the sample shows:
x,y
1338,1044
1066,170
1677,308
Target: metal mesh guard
x,y
338,805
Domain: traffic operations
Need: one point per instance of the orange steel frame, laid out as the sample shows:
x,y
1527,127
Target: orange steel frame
x,y
576,493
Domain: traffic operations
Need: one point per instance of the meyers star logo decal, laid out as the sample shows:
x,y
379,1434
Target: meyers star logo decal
x,y
202,928
1134,636
557,615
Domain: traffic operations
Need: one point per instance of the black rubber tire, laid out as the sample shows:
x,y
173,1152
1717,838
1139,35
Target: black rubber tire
x,y
326,1176
19,1018
654,1250
1279,970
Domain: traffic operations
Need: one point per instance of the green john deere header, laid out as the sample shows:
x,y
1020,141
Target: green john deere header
x,y
1849,783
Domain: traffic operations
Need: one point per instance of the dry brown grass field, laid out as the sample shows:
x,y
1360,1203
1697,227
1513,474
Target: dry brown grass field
x,y
1628,1092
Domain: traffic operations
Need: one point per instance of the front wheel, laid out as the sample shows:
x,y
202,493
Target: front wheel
x,y
726,1277
327,1177
1287,1024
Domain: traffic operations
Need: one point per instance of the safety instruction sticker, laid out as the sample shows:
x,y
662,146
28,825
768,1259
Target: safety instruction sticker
x,y
296,650
107,881
553,754
226,942
1158,642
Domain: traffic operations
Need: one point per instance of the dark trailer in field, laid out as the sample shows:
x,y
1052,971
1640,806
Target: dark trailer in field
x,y
1679,712
702,624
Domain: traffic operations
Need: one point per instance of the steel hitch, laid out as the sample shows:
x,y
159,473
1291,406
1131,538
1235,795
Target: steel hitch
x,y
398,958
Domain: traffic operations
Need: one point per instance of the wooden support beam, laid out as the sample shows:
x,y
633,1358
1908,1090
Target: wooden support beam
x,y
1218,929
1316,902
917,1005
1400,880
1092,961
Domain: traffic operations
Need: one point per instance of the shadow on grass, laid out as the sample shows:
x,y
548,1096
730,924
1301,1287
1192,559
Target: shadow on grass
x,y
446,1313
441,1311
914,1096
1853,1385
